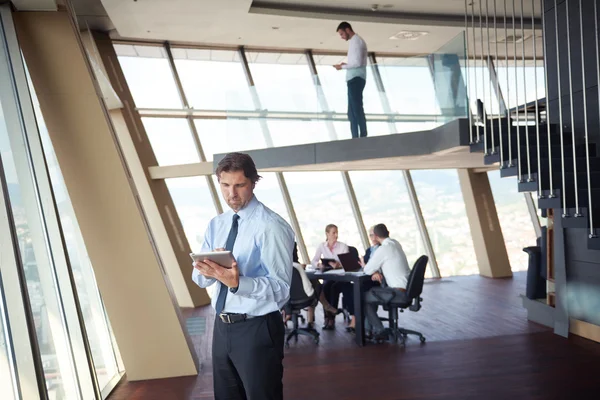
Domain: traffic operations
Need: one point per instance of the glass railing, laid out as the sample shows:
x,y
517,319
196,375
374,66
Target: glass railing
x,y
400,95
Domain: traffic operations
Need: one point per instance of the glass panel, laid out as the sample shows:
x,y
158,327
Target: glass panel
x,y
47,310
409,85
319,199
148,76
213,79
223,136
485,90
6,367
447,69
294,132
336,90
516,86
171,140
92,308
223,204
383,198
283,81
268,192
445,215
515,221
194,206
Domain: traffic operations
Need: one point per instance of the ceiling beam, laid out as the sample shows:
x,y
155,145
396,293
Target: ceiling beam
x,y
387,17
34,5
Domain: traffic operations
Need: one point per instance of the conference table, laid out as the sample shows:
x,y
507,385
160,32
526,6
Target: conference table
x,y
358,279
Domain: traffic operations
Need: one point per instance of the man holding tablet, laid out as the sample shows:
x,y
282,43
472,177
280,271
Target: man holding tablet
x,y
248,338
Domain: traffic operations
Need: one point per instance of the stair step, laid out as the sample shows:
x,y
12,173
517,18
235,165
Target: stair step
x,y
594,243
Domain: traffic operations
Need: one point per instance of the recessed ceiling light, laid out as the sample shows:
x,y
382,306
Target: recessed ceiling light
x,y
408,35
274,28
511,39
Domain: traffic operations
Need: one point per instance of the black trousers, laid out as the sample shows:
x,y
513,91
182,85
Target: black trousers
x,y
248,358
356,112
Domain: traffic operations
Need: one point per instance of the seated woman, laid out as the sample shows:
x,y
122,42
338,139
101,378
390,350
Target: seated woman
x,y
310,287
330,250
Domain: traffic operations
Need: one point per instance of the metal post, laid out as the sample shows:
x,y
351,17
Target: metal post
x,y
592,232
575,183
487,26
560,114
280,178
475,67
498,92
364,237
508,116
471,141
520,172
414,199
485,146
549,133
537,110
587,151
289,205
527,147
201,156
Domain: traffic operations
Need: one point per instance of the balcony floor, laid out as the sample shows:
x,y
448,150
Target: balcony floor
x,y
479,345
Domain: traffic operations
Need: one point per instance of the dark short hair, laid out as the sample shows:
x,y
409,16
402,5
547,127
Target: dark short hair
x,y
330,227
343,26
238,162
380,230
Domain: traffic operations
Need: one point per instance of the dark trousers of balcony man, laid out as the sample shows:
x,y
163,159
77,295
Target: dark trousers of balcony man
x,y
356,78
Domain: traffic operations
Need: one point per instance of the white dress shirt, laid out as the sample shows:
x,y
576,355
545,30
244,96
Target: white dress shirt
x,y
391,260
357,59
325,252
263,250
306,284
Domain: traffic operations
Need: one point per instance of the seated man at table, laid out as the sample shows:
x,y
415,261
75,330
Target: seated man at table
x,y
389,267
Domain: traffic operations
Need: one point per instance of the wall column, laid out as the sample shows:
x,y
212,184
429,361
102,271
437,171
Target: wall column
x,y
131,278
166,227
490,249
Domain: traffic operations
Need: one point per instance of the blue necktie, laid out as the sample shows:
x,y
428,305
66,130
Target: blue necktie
x,y
228,246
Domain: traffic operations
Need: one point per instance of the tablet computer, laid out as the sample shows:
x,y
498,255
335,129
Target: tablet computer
x,y
223,258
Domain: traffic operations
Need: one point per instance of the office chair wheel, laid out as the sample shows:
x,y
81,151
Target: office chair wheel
x,y
422,338
316,340
287,345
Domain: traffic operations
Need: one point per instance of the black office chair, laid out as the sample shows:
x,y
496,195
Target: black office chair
x,y
411,300
299,301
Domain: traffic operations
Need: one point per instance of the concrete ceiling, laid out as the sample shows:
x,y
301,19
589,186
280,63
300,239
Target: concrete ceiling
x,y
289,24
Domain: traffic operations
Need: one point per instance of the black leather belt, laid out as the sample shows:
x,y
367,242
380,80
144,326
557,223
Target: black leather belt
x,y
228,318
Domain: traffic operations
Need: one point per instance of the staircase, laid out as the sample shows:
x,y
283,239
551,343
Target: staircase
x,y
567,194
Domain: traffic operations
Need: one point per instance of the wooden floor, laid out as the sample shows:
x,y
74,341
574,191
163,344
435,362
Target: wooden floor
x,y
479,346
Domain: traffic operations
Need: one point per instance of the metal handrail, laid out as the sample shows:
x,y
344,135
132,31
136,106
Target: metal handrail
x,y
575,184
562,140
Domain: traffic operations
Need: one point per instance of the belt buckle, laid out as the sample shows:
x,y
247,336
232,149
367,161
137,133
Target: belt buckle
x,y
225,318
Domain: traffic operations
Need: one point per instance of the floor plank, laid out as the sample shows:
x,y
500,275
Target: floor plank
x,y
479,345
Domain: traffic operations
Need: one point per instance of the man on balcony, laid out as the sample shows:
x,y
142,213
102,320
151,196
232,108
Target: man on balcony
x,y
356,78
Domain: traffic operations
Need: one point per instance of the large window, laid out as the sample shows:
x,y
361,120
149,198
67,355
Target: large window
x,y
515,87
408,85
213,79
515,220
6,367
336,90
383,198
105,355
194,206
283,81
171,141
224,135
446,219
149,76
319,199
